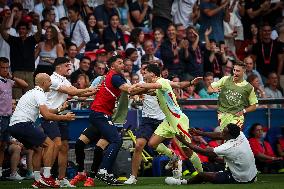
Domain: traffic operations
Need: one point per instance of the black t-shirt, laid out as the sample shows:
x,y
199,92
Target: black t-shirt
x,y
102,14
22,53
266,52
281,46
246,20
146,21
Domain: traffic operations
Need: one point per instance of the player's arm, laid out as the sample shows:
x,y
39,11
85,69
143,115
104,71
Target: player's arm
x,y
184,84
212,135
73,91
207,151
253,104
215,87
48,115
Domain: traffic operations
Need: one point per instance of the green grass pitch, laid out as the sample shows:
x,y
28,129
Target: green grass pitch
x,y
264,182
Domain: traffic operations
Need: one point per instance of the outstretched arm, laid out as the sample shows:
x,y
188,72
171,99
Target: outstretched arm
x,y
207,151
184,84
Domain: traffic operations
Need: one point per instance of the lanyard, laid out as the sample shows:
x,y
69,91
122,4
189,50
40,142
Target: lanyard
x,y
267,61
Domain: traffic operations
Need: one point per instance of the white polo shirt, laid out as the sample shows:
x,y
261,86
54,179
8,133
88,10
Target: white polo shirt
x,y
54,97
239,158
27,109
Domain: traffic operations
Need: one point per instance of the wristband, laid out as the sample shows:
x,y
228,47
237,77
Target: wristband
x,y
244,111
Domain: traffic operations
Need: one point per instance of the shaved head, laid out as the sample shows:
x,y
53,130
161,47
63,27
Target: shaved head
x,y
40,78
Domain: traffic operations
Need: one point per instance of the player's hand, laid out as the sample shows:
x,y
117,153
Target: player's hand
x,y
194,132
70,116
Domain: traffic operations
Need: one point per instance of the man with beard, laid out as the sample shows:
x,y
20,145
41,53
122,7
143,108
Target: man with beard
x,y
236,98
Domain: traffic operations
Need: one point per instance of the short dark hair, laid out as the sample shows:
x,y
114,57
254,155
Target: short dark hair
x,y
112,59
46,11
153,68
252,128
86,57
239,63
64,19
4,60
75,8
234,130
22,23
207,74
129,51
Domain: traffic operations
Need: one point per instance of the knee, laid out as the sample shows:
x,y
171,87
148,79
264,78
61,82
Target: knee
x,y
49,143
139,146
152,145
58,144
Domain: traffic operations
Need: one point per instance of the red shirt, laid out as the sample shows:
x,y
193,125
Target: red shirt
x,y
261,148
107,95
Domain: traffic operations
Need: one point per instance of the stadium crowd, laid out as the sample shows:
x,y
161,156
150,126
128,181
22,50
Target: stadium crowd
x,y
186,39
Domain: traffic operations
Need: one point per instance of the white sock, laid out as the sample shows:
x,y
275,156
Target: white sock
x,y
1,171
46,172
37,175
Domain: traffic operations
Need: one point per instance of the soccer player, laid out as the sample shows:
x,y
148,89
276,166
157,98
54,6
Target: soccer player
x,y
236,98
237,154
58,132
176,121
22,128
101,123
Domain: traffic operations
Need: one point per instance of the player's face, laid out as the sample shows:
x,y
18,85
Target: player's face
x,y
118,65
47,84
238,72
148,76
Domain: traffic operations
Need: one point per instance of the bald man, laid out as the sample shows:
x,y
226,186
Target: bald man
x,y
22,128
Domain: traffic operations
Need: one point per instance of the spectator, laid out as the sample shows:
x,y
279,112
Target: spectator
x,y
7,81
267,53
16,150
190,94
22,50
217,58
165,73
63,23
128,65
113,34
280,40
85,9
141,71
46,4
280,144
177,91
84,68
213,15
246,46
203,93
47,51
182,12
172,55
258,89
17,14
149,52
158,39
123,11
265,159
103,13
195,63
254,11
134,79
249,62
132,54
136,41
71,55
99,69
76,30
141,15
101,56
181,33
82,82
162,17
95,39
272,90
63,7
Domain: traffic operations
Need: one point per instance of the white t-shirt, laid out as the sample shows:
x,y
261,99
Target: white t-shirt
x,y
182,12
239,158
151,108
54,97
27,109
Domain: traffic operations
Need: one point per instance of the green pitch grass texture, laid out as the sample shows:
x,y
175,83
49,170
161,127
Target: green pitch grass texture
x,y
264,182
